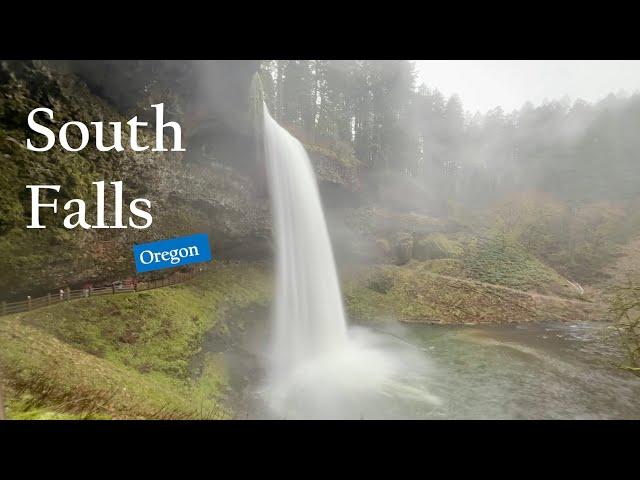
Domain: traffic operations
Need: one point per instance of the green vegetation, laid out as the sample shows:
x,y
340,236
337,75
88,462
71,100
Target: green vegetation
x,y
625,306
415,293
502,261
446,266
626,267
578,241
47,376
127,355
436,246
339,152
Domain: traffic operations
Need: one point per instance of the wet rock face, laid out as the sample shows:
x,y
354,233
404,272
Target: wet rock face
x,y
218,186
186,196
332,171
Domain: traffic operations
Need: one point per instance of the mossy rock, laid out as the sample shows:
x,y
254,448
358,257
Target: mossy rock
x,y
383,248
185,198
436,246
381,281
403,248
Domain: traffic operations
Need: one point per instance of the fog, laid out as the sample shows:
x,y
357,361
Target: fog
x,y
486,84
432,239
400,146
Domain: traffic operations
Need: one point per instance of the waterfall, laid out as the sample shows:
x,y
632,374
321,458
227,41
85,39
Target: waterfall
x,y
317,368
309,317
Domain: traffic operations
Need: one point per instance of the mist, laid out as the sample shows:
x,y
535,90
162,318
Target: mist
x,y
389,239
420,152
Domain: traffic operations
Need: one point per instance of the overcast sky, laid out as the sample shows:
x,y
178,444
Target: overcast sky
x,y
485,84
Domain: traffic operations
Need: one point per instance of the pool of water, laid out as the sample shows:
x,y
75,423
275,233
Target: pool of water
x,y
527,371
519,371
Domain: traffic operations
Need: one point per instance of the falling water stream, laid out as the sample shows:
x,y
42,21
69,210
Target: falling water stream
x,y
317,367
309,316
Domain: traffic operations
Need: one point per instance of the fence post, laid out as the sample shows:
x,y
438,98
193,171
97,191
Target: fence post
x,y
28,302
113,288
68,293
48,299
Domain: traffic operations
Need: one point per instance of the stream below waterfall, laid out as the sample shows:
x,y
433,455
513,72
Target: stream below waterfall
x,y
549,370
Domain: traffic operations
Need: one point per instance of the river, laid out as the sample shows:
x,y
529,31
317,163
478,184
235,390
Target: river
x,y
548,370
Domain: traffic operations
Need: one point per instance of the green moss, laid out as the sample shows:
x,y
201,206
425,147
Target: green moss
x,y
23,410
414,293
46,374
213,381
156,330
436,246
127,355
445,266
502,261
185,198
341,152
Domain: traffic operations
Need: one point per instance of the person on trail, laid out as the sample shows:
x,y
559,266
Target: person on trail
x,y
61,294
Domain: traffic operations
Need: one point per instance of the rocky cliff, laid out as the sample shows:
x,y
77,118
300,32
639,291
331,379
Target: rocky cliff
x,y
217,186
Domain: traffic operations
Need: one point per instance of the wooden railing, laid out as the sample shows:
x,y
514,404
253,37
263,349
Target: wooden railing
x,y
113,289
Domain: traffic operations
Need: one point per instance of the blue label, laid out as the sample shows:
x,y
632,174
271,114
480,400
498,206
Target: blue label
x,y
171,253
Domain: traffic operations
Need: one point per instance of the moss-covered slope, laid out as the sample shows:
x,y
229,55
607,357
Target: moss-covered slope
x,y
502,261
416,293
127,355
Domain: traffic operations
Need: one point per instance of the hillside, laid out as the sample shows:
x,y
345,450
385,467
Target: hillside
x,y
502,261
627,264
426,292
127,355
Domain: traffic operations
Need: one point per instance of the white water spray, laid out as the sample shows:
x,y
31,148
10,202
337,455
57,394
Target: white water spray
x,y
309,316
317,368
